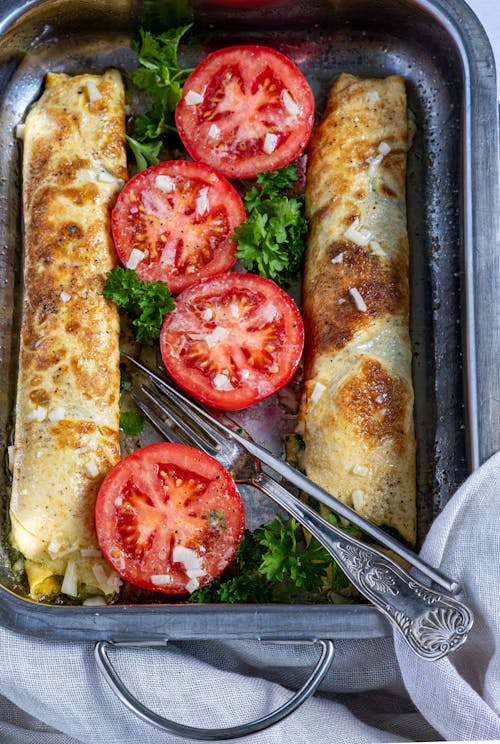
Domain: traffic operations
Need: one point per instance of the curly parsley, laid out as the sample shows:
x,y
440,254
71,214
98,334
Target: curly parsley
x,y
272,240
146,303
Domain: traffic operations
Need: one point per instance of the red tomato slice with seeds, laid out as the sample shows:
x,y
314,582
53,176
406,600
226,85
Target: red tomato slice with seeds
x,y
174,222
244,110
169,518
232,340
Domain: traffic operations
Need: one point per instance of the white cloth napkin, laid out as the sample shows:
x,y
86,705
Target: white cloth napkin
x,y
52,693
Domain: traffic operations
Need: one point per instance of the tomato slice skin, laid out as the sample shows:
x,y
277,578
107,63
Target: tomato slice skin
x,y
169,518
232,340
244,110
181,216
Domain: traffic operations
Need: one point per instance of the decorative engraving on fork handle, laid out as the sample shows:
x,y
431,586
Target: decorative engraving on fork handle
x,y
432,623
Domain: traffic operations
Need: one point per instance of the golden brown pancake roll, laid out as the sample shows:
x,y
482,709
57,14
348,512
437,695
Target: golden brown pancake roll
x,y
356,411
67,408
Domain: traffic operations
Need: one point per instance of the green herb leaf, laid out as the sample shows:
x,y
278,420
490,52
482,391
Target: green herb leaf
x,y
145,153
131,422
146,303
161,76
272,240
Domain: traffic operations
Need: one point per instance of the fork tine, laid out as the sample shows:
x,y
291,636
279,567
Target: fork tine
x,y
192,435
159,424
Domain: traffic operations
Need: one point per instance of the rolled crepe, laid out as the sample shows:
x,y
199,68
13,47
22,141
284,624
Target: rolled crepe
x,y
356,411
67,407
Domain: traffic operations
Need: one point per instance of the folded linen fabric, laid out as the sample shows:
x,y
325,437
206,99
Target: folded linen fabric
x,y
376,690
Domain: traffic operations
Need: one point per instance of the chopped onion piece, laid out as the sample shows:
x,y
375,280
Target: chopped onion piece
x,y
372,98
92,469
70,581
94,601
289,103
377,248
358,300
20,131
192,97
188,557
10,456
270,142
57,414
65,296
161,579
135,258
357,234
165,183
93,91
360,470
222,382
214,131
202,205
318,391
192,585
207,314
358,499
37,414
339,258
218,334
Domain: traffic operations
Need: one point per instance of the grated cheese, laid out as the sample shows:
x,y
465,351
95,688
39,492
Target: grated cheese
x,y
358,300
10,456
372,98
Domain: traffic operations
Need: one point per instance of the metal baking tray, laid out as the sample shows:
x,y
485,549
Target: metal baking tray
x,y
445,57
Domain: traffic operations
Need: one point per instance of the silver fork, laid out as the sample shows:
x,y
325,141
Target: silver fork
x,y
432,623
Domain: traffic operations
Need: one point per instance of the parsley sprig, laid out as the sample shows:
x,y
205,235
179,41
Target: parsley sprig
x,y
275,562
161,76
146,303
272,240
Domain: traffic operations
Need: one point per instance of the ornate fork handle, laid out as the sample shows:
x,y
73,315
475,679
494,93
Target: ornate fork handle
x,y
432,623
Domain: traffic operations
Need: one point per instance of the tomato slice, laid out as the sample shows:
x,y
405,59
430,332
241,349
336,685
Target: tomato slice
x,y
232,340
169,518
174,222
244,110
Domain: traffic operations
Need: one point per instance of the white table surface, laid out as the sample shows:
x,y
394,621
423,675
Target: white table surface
x,y
488,13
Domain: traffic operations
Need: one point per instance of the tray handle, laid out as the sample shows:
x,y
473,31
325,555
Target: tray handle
x,y
123,693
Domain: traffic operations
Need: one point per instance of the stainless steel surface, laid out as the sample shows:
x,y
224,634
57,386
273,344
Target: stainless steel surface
x,y
431,623
211,734
453,226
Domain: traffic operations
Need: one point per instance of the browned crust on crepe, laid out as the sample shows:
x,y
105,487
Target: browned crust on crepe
x,y
356,413
67,408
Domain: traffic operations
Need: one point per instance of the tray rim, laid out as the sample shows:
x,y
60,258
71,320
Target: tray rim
x,y
323,621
